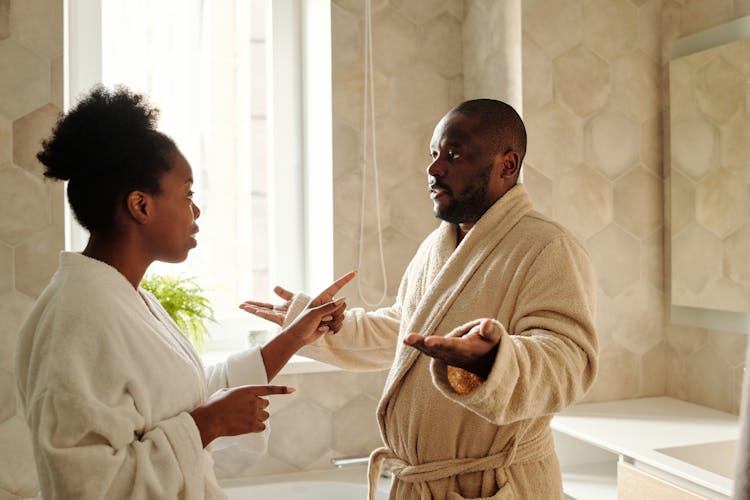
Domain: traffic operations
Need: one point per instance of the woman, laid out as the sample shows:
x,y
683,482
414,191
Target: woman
x,y
117,400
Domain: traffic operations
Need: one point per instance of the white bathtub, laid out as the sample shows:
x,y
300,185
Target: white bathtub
x,y
349,483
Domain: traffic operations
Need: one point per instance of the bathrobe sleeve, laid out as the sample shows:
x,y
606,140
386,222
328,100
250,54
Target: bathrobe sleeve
x,y
75,434
366,340
242,368
550,359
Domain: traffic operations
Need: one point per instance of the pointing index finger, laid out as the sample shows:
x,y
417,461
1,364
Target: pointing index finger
x,y
340,283
268,390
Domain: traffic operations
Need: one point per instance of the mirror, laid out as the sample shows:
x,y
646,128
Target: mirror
x,y
709,92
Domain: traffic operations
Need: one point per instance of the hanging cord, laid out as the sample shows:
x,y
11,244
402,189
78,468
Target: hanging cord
x,y
369,108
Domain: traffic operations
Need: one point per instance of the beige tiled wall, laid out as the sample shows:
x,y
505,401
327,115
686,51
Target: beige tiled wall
x,y
31,221
418,77
592,99
704,366
592,108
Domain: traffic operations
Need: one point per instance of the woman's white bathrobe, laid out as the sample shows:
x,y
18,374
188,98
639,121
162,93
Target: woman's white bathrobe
x,y
107,381
536,280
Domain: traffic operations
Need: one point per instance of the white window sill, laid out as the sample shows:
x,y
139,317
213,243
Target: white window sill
x,y
296,366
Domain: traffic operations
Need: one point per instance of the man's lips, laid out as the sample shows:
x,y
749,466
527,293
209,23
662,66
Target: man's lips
x,y
437,191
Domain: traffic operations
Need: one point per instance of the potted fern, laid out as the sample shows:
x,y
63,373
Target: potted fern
x,y
182,297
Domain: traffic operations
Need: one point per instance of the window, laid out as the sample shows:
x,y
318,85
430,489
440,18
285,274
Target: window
x,y
229,77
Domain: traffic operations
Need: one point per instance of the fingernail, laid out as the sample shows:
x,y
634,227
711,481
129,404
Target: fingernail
x,y
326,318
290,390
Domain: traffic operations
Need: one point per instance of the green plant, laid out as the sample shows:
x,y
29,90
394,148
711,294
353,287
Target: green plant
x,y
183,299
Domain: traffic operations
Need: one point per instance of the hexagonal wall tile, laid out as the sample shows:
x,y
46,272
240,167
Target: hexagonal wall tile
x,y
439,44
650,31
735,256
347,207
654,371
6,141
707,376
394,40
616,256
719,89
4,19
7,395
6,268
582,79
38,25
358,7
696,259
685,340
25,88
721,202
537,69
356,429
296,443
539,188
347,149
411,207
639,202
36,260
28,133
17,470
556,26
584,201
652,145
682,194
421,12
694,146
637,85
681,90
641,316
609,26
723,294
618,377
346,37
735,145
24,203
697,15
555,140
418,95
612,143
318,386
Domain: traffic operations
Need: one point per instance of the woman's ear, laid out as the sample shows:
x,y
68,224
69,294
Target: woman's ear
x,y
138,206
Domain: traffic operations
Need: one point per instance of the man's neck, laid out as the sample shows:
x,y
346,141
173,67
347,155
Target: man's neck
x,y
461,230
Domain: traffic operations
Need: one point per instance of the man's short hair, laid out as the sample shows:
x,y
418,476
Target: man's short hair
x,y
503,127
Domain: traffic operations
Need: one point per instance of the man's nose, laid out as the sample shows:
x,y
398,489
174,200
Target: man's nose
x,y
435,168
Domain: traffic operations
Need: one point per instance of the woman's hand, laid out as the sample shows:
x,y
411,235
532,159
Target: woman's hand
x,y
305,329
474,350
277,312
234,411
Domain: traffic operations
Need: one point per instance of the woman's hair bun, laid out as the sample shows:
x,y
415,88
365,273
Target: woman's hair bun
x,y
104,124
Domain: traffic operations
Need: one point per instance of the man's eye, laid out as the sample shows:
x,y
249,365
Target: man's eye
x,y
453,155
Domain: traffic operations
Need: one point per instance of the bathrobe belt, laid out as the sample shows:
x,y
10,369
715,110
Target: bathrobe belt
x,y
514,453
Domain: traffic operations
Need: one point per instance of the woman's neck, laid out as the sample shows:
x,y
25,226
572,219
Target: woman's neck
x,y
118,255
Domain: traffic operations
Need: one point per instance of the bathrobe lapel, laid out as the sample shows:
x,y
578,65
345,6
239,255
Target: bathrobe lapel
x,y
447,271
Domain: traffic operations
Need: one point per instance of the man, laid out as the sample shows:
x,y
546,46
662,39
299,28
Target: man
x,y
500,300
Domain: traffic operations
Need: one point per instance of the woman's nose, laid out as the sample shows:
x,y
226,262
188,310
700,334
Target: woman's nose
x,y
196,211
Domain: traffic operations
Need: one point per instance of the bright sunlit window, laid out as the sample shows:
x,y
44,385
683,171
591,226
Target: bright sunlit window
x,y
228,78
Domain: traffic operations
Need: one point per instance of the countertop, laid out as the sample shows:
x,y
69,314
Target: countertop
x,y
636,428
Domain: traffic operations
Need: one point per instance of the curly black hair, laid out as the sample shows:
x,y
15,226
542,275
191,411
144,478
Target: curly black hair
x,y
106,147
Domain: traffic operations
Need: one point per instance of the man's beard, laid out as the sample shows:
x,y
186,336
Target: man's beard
x,y
470,205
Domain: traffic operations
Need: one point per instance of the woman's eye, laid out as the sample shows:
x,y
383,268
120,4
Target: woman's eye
x,y
190,194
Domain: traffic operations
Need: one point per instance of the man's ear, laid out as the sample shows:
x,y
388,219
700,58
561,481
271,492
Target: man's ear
x,y
139,206
510,164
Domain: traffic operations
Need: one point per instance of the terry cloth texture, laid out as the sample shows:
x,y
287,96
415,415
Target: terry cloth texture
x,y
107,380
535,280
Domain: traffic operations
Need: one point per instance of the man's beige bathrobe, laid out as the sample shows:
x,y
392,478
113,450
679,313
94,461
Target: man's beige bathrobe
x,y
536,280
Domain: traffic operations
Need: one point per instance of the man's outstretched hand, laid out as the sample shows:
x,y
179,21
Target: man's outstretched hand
x,y
277,312
474,351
